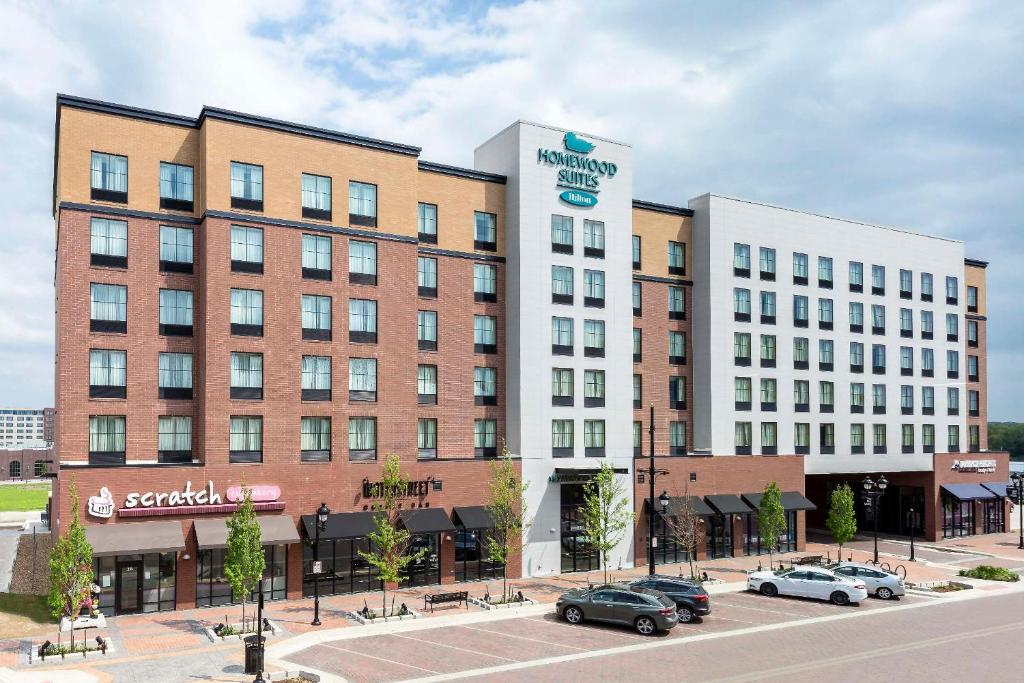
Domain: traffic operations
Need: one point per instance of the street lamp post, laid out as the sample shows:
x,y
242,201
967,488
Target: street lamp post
x,y
1015,492
651,474
321,525
913,528
874,490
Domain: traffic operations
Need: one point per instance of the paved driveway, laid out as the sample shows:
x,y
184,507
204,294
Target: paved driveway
x,y
8,548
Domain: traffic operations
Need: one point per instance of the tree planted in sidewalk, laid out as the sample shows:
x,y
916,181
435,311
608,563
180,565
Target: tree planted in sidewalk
x,y
244,560
71,574
842,521
607,513
771,519
684,526
508,512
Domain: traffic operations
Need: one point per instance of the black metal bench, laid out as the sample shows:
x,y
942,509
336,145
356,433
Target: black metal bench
x,y
441,598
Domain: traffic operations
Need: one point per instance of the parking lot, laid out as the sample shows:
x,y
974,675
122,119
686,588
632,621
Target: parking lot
x,y
452,649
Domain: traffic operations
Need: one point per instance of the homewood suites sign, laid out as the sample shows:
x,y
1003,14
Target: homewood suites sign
x,y
184,501
578,173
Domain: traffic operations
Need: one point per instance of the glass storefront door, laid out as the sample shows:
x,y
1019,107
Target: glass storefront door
x,y
992,519
719,536
752,536
130,584
668,549
471,563
425,570
957,517
344,569
128,597
578,553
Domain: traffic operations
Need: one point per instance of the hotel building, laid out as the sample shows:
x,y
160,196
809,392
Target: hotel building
x,y
242,300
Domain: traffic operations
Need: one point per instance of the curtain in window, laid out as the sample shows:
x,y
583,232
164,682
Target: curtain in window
x,y
561,331
561,382
593,283
175,244
593,433
246,244
362,434
484,329
316,434
176,370
561,229
109,238
246,181
108,368
247,370
741,256
362,315
362,199
176,181
593,384
316,312
677,434
676,303
175,307
174,433
561,280
426,325
593,334
426,272
561,433
316,252
246,434
316,372
109,172
246,307
485,227
743,434
362,257
362,374
106,434
485,433
426,380
677,255
316,192
109,302
593,234
484,381
426,433
426,218
484,279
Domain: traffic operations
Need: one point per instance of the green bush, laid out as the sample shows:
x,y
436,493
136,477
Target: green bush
x,y
990,573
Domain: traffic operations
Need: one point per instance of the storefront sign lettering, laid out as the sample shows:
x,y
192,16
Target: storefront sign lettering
x,y
260,493
983,466
375,489
577,171
206,499
186,496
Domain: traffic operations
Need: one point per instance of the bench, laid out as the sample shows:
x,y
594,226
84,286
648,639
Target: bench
x,y
432,599
809,559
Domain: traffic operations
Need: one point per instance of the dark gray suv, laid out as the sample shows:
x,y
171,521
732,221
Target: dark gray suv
x,y
645,610
691,599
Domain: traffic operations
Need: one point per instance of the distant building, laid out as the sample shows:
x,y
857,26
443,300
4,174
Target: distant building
x,y
21,428
26,463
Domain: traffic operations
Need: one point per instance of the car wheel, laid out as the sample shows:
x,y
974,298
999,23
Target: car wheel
x,y
685,615
645,626
573,615
884,593
840,598
769,590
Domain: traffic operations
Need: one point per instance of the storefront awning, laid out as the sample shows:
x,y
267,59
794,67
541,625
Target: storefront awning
x,y
425,521
968,491
274,530
791,500
135,538
473,517
675,504
728,504
341,525
996,487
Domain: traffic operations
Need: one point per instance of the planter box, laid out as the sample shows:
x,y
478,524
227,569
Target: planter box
x,y
360,619
273,631
928,588
33,656
482,604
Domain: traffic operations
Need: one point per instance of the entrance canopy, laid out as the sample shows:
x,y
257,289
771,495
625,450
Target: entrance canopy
x,y
341,525
135,539
968,491
676,503
791,500
728,504
426,521
996,487
473,517
274,530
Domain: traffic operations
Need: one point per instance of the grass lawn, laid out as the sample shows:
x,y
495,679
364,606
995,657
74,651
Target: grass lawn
x,y
23,497
23,615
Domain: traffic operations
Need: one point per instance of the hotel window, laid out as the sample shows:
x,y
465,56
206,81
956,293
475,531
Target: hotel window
x,y
362,204
857,438
856,276
856,397
593,338
316,257
638,391
485,334
927,400
316,197
426,276
247,312
802,437
906,361
928,438
637,299
316,317
906,323
245,443
362,321
109,177
246,186
108,372
175,375
878,359
856,316
743,438
485,438
174,438
767,263
800,311
636,252
316,378
677,393
561,438
827,438
561,285
593,388
175,249
906,399
879,438
741,348
973,438
638,431
769,438
593,239
175,312
825,319
952,364
826,355
676,258
768,308
801,353
362,438
593,438
952,290
952,327
485,386
426,330
362,379
246,249
953,438
799,268
743,391
877,319
878,279
106,440
741,304
485,281
426,384
362,262
108,308
561,337
769,394
109,243
561,386
593,288
426,438
637,344
972,369
676,348
247,376
826,397
768,350
907,438
561,234
972,299
741,259
825,272
906,284
972,333
926,287
878,399
927,325
677,438
426,222
485,235
801,395
315,439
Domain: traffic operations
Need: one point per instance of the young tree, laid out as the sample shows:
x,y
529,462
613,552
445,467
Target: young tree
x,y
842,521
508,511
389,542
244,561
771,519
684,525
607,513
70,569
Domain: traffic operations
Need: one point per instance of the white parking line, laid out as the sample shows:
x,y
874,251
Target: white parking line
x,y
381,659
456,647
627,636
532,640
758,609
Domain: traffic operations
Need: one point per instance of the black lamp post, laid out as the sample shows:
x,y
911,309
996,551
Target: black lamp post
x,y
913,528
874,490
1015,492
651,472
259,635
321,525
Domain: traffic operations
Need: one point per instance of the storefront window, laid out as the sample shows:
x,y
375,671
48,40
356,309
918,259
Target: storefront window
x,y
578,554
471,563
668,549
212,587
719,536
344,570
425,570
957,517
130,584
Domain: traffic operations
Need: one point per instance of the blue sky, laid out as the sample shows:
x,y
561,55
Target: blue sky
x,y
904,114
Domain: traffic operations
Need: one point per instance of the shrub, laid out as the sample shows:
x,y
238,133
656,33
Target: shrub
x,y
990,573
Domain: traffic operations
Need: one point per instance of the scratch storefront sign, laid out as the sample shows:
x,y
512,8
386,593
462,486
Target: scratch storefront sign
x,y
579,175
186,501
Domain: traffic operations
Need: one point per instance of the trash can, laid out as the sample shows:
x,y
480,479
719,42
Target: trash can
x,y
253,655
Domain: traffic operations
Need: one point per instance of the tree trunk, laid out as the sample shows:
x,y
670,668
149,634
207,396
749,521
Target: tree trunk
x,y
504,581
384,600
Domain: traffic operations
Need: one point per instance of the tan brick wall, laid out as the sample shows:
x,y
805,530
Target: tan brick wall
x,y
457,199
656,229
975,277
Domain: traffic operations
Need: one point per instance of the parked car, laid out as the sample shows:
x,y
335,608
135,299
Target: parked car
x,y
878,582
645,610
816,582
691,599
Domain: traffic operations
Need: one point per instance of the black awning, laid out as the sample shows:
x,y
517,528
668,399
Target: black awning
x,y
473,517
997,487
728,504
425,521
341,525
968,491
791,500
675,504
753,499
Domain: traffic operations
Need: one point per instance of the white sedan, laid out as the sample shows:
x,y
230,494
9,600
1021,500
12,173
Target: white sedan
x,y
817,583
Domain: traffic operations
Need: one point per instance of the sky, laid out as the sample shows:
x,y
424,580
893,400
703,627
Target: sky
x,y
904,114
